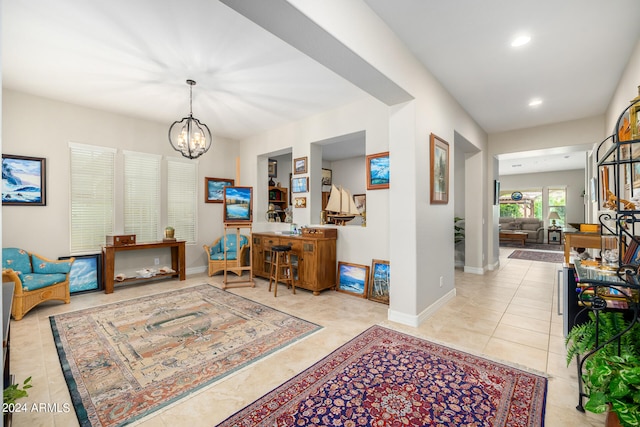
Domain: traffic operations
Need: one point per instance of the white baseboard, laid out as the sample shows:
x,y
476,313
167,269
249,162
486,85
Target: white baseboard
x,y
474,270
416,320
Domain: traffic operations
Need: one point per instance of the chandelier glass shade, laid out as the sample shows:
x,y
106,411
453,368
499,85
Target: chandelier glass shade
x,y
189,136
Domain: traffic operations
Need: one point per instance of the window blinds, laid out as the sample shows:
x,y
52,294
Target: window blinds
x,y
181,198
92,196
142,195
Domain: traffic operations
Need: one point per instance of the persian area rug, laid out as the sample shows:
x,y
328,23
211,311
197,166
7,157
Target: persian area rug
x,y
534,246
124,360
387,378
557,257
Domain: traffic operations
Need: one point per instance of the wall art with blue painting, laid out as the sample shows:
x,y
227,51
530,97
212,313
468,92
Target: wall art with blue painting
x,y
238,204
23,180
86,273
378,171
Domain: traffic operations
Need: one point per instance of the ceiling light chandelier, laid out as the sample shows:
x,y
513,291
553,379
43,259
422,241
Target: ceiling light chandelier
x,y
189,136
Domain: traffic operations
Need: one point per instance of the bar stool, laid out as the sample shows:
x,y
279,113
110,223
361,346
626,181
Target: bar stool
x,y
281,270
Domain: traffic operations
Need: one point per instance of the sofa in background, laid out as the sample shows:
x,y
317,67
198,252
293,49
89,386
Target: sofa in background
x,y
534,227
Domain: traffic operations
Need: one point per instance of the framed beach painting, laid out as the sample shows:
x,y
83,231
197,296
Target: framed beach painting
x,y
378,171
379,283
214,189
23,181
85,274
300,185
238,204
439,168
353,279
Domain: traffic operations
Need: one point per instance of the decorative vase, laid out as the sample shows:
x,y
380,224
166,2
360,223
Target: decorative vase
x,y
168,233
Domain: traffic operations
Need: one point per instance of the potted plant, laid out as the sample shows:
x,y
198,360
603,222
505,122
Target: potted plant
x,y
611,375
15,392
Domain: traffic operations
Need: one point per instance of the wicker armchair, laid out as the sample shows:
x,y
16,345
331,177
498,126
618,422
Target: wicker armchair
x,y
36,279
235,257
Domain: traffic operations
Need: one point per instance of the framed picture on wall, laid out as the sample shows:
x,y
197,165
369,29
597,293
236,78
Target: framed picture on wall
x,y
214,189
326,176
361,202
238,204
23,181
300,165
439,168
300,185
378,171
273,168
300,202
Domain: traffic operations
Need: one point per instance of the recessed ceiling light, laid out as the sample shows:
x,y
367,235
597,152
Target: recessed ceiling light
x,y
535,102
520,41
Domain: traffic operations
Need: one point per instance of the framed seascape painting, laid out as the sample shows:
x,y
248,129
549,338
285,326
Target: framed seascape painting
x,y
238,204
353,279
300,185
378,171
23,181
85,274
379,283
439,162
214,189
300,165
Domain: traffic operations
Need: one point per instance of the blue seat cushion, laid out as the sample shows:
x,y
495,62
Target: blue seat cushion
x,y
220,255
31,282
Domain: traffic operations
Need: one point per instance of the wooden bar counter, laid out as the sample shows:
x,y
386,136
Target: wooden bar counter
x,y
313,256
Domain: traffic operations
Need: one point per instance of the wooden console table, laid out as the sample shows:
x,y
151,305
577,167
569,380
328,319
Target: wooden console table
x,y
580,239
109,257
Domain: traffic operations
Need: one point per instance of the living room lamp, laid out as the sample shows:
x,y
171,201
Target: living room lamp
x,y
189,136
553,216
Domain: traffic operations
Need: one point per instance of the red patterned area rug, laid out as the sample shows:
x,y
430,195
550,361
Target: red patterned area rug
x,y
127,359
556,257
387,378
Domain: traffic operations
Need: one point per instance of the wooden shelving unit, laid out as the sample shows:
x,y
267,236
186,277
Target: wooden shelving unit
x,y
279,196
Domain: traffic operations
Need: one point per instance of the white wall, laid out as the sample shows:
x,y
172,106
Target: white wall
x,y
572,179
355,244
40,127
626,90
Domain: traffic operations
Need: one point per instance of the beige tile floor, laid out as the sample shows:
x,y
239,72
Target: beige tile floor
x,y
508,315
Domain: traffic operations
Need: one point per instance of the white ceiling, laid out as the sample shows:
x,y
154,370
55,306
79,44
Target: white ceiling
x,y
133,57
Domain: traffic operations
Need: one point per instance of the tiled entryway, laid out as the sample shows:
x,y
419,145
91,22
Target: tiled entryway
x,y
509,314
